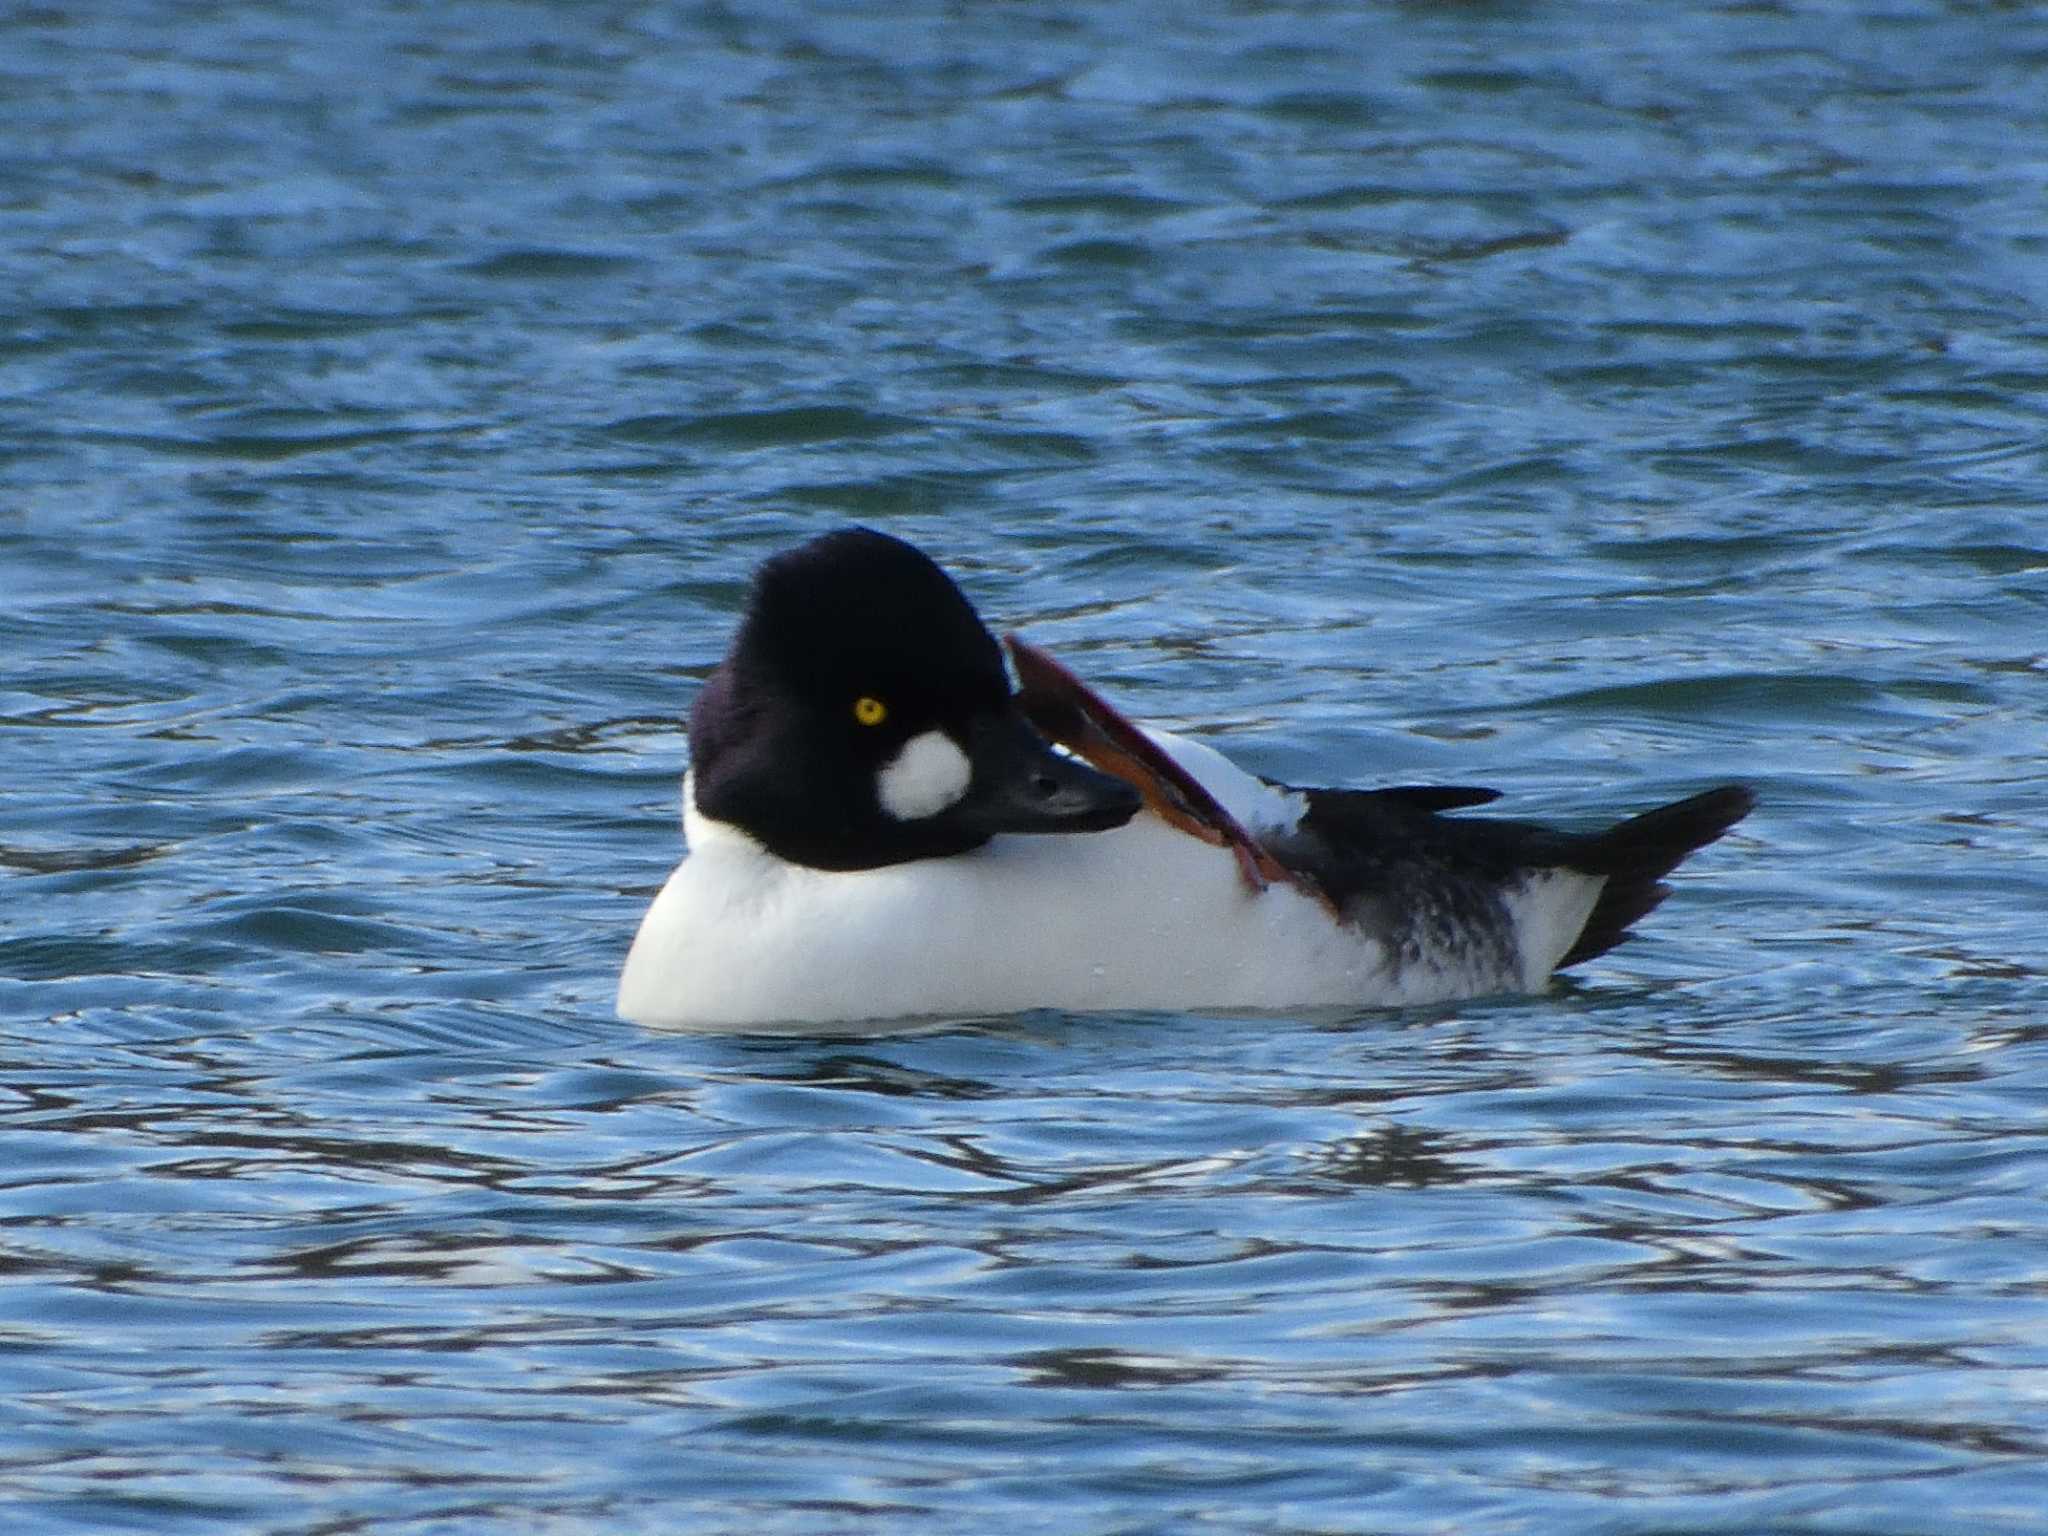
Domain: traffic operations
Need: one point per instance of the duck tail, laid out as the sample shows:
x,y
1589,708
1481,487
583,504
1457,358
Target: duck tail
x,y
1635,856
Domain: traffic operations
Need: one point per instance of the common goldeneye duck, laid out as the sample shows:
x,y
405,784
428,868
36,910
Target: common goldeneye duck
x,y
865,812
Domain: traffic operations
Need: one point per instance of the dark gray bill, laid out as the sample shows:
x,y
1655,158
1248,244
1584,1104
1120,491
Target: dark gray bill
x,y
1020,784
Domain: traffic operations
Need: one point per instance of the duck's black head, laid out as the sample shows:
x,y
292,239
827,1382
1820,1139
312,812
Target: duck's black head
x,y
863,718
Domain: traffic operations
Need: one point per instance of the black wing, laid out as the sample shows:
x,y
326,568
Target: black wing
x,y
1390,862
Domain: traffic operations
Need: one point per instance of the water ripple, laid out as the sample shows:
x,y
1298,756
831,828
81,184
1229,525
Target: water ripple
x,y
394,412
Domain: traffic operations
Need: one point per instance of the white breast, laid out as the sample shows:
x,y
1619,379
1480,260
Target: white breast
x,y
1143,917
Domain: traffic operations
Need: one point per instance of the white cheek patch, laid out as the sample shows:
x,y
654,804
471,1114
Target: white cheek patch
x,y
929,773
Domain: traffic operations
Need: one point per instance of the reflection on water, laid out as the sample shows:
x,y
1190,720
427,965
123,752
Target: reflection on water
x,y
1498,1233
1485,395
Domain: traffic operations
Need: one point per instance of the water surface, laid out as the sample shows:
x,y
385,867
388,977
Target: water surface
x,y
1593,401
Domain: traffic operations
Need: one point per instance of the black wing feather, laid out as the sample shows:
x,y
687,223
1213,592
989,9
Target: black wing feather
x,y
1389,861
1635,856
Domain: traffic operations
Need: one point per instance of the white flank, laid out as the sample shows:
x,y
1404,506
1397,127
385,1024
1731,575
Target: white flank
x,y
1143,917
927,774
1549,910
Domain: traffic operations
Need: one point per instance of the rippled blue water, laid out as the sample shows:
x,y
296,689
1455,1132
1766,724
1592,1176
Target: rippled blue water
x,y
1597,401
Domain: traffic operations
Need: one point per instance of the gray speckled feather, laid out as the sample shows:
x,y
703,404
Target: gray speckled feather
x,y
1438,888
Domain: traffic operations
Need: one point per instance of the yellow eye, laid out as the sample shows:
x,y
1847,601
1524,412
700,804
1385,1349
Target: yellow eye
x,y
869,710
